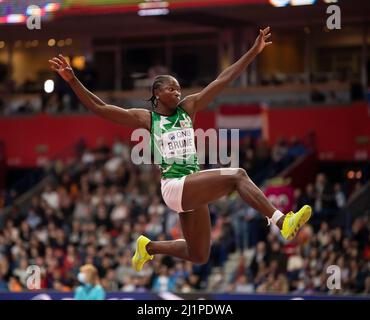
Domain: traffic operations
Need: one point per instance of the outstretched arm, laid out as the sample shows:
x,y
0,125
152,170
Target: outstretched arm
x,y
137,118
200,101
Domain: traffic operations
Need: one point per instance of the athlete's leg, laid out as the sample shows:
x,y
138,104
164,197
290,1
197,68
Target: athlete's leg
x,y
196,228
206,186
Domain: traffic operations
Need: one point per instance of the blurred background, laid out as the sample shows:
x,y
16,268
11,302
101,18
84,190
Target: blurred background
x,y
70,195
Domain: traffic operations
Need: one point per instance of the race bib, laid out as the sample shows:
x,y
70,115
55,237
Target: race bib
x,y
178,143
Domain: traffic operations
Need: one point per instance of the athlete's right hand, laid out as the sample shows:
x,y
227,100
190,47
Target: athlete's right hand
x,y
62,67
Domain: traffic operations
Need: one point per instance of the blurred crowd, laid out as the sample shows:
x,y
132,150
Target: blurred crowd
x,y
304,266
96,206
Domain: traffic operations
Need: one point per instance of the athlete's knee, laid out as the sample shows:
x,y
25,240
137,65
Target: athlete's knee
x,y
240,174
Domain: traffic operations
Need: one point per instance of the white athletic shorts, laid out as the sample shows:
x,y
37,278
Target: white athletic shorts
x,y
172,189
172,192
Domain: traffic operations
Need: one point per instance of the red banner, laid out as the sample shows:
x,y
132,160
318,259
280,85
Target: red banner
x,y
2,166
281,197
340,132
33,140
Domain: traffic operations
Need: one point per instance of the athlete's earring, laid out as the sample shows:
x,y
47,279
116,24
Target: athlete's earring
x,y
157,98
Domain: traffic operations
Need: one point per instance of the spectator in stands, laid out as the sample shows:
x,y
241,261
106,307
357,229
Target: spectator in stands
x,y
317,96
120,149
90,288
324,198
296,149
3,283
340,197
25,108
367,286
14,285
164,281
259,258
248,161
244,285
50,196
278,154
239,220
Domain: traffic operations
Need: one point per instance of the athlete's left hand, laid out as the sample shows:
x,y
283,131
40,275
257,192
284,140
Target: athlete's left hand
x,y
261,41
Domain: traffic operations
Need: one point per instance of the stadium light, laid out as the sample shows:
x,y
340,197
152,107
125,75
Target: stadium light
x,y
351,175
51,42
279,3
15,18
18,11
18,44
33,11
68,42
49,86
284,3
302,2
153,8
153,12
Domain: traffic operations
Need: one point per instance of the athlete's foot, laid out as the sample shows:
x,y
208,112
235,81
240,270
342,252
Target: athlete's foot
x,y
141,255
294,221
